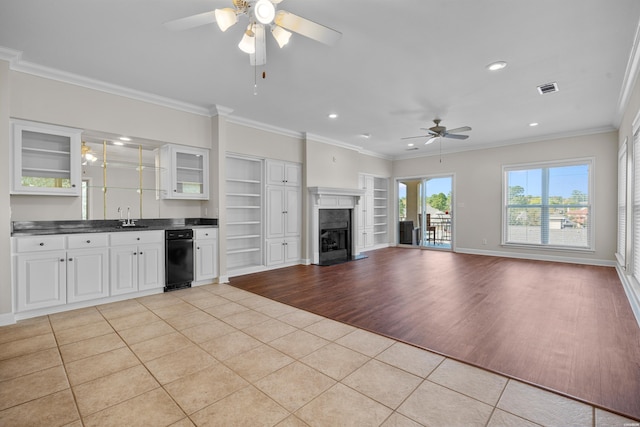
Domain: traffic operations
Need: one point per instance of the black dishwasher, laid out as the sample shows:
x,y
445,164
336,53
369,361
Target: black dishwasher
x,y
178,264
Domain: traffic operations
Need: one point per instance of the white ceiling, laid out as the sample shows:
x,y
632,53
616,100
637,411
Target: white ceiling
x,y
398,65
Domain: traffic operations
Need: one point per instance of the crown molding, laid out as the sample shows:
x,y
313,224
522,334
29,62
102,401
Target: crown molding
x,y
630,78
360,150
264,126
17,64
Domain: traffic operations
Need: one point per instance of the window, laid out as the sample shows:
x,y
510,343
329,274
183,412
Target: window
x,y
548,205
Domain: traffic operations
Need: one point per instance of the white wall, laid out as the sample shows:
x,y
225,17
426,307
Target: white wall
x,y
478,191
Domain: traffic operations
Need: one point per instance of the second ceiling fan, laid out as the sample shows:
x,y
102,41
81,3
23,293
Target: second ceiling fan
x,y
438,131
261,14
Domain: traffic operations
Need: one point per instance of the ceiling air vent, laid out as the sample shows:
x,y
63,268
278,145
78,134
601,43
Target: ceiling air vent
x,y
548,88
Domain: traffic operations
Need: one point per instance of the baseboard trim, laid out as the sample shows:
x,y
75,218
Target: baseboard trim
x,y
539,257
7,319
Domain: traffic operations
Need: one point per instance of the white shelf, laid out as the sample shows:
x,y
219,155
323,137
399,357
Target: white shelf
x,y
243,251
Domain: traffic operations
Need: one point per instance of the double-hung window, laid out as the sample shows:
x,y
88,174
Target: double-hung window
x,y
549,205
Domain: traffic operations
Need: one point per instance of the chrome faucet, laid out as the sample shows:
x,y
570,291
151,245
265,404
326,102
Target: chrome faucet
x,y
126,222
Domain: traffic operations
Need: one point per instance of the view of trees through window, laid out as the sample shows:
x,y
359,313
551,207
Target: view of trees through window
x,y
548,206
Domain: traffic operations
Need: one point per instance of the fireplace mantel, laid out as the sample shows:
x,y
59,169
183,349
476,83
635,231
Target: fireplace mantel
x,y
331,198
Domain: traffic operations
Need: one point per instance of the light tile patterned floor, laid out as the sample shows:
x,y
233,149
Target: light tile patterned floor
x,y
219,356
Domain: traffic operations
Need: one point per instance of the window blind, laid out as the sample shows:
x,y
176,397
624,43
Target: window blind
x,y
622,206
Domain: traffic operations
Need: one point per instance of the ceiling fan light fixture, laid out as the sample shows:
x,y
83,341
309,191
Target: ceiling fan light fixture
x,y
281,35
225,18
247,44
264,11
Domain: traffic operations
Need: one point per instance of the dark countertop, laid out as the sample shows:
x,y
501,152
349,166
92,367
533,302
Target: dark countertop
x,y
33,228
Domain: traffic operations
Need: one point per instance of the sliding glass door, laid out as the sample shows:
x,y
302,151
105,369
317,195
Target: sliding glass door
x,y
424,212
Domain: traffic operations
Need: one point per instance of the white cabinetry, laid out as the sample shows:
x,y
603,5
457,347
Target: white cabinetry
x,y
45,159
283,173
206,254
243,192
87,267
56,270
372,213
283,212
184,172
136,261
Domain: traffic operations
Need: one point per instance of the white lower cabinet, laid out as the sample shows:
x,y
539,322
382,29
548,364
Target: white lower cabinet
x,y
136,261
206,253
41,280
56,270
87,274
283,251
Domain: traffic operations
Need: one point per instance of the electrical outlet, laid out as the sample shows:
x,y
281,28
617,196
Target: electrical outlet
x,y
484,241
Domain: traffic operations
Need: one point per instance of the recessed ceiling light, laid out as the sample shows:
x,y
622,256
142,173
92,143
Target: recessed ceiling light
x,y
495,66
333,116
118,143
534,124
365,135
410,144
124,138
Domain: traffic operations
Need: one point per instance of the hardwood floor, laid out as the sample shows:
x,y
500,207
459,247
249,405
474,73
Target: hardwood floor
x,y
565,327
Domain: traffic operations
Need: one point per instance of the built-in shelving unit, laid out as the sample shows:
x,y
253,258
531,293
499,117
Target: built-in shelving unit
x,y
380,206
244,194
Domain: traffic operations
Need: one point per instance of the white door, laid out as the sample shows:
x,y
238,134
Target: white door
x,y
41,280
87,274
123,269
275,211
292,209
150,266
206,254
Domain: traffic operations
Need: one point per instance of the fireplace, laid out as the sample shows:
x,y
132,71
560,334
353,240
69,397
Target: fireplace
x,y
333,224
335,236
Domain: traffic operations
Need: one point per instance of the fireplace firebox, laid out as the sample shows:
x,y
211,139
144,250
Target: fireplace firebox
x,y
335,236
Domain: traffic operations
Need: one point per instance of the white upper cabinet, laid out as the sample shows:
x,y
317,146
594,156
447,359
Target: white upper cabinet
x,y
184,172
283,173
46,159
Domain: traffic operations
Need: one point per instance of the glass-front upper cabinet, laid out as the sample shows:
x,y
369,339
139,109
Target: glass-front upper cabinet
x,y
46,159
184,172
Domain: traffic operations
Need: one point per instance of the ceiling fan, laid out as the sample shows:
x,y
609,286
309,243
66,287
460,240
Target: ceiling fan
x,y
438,131
260,14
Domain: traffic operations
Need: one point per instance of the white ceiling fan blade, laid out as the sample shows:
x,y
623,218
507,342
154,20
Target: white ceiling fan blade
x,y
453,136
419,136
260,56
462,129
191,21
307,28
430,140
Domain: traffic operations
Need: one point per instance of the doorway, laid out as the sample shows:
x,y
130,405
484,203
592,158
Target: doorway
x,y
425,212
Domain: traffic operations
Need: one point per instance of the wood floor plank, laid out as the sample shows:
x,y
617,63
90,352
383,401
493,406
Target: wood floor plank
x,y
564,327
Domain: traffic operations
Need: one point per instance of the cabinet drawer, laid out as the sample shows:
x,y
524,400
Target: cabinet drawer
x,y
94,240
38,243
136,237
205,233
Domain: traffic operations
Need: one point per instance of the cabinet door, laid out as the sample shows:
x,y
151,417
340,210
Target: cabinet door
x,y
292,217
185,174
123,277
41,280
150,266
275,211
292,174
291,250
275,172
206,257
275,252
46,159
87,274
